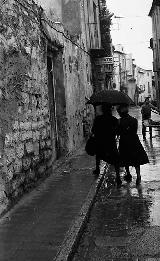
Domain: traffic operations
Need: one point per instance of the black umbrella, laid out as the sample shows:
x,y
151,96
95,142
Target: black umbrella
x,y
112,97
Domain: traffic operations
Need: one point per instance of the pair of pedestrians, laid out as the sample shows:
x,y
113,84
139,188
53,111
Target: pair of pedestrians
x,y
106,129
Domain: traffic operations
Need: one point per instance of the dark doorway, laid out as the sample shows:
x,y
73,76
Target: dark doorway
x,y
52,107
57,102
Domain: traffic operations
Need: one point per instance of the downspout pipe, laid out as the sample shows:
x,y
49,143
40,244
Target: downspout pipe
x,y
99,7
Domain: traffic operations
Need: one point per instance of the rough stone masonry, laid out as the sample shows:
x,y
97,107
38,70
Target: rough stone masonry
x,y
25,132
26,148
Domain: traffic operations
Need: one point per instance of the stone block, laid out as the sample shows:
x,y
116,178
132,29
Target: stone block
x,y
18,166
19,192
25,97
36,135
16,136
31,174
10,172
8,139
42,144
25,125
35,161
18,182
3,201
47,154
38,112
45,111
41,124
47,120
16,125
29,147
50,163
20,150
26,163
27,135
41,169
36,148
28,114
34,125
10,154
48,131
49,143
44,134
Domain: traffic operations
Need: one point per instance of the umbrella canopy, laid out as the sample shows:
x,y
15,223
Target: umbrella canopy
x,y
112,97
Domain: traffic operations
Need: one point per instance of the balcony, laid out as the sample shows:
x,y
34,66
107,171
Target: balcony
x,y
97,53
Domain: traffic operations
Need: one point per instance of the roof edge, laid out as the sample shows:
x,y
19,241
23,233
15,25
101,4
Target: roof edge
x,y
154,3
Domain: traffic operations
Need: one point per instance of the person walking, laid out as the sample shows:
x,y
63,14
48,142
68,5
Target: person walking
x,y
131,150
146,116
105,130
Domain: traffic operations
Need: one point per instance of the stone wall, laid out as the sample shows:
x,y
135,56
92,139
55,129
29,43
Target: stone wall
x,y
24,115
26,146
76,91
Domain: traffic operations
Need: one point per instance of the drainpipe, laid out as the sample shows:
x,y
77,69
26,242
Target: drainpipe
x,y
99,7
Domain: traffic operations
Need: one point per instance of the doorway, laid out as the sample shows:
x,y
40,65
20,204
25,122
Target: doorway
x,y
57,102
52,107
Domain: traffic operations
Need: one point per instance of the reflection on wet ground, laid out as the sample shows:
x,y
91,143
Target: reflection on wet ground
x,y
125,223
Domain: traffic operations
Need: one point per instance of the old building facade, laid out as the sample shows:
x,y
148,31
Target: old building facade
x,y
144,84
45,80
130,78
155,45
120,69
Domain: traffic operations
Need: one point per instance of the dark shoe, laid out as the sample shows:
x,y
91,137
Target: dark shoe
x,y
119,182
138,181
128,177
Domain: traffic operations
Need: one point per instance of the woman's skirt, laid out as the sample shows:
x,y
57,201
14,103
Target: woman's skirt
x,y
131,151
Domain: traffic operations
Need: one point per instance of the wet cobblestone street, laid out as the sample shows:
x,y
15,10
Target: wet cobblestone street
x,y
125,223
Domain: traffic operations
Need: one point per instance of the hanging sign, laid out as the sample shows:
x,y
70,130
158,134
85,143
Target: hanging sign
x,y
104,60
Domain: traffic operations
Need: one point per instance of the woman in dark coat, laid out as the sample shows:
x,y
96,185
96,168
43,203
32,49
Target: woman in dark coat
x,y
131,150
105,130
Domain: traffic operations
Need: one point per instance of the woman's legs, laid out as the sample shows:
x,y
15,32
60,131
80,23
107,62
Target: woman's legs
x,y
143,131
97,170
138,181
118,178
128,176
150,132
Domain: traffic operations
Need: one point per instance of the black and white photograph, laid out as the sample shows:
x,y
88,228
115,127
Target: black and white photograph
x,y
79,130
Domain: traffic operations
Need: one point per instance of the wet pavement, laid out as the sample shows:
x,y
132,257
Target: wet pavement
x,y
36,227
125,223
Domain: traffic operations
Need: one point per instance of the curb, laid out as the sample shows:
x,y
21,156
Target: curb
x,y
74,233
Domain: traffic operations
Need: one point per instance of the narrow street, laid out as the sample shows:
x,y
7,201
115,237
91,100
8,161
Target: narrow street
x,y
60,60
125,223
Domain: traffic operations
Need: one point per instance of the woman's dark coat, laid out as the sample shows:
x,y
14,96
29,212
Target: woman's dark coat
x,y
131,150
105,129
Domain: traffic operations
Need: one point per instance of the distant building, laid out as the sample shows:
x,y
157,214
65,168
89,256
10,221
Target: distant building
x,y
155,45
128,77
120,69
144,83
131,81
102,58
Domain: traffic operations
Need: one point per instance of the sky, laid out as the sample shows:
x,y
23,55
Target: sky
x,y
134,30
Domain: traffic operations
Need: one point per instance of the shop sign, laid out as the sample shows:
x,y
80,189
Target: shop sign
x,y
104,60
